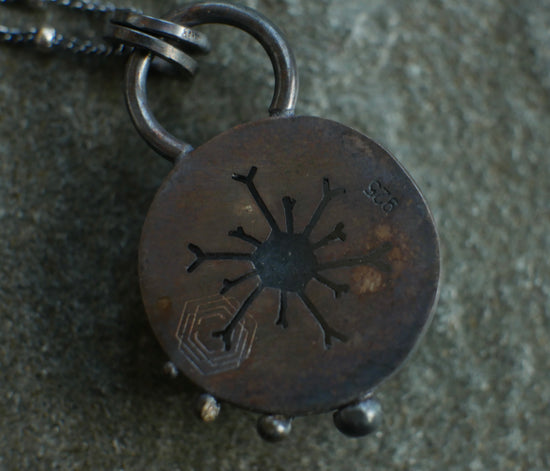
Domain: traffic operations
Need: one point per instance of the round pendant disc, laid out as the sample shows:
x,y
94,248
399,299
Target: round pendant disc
x,y
289,265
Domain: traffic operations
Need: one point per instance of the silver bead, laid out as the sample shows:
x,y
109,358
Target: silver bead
x,y
274,428
170,369
208,408
45,37
360,419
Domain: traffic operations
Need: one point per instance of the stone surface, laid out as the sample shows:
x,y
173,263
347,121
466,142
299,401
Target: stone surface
x,y
459,91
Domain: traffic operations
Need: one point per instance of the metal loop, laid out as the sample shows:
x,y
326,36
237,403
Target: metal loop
x,y
153,44
189,39
246,19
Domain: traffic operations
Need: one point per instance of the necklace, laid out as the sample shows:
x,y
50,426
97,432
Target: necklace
x,y
288,265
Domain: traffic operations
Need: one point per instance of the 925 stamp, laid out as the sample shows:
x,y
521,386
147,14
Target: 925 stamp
x,y
381,196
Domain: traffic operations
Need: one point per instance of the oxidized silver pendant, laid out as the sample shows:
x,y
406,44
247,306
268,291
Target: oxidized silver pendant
x,y
289,265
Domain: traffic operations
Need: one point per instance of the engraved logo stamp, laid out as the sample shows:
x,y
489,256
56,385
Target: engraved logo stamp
x,y
194,334
286,261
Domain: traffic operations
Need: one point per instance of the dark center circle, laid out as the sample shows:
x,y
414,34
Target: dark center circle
x,y
285,261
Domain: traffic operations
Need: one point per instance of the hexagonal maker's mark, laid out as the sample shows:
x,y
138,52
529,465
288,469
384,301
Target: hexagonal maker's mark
x,y
196,343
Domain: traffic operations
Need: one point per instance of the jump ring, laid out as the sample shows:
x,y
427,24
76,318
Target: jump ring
x,y
187,38
246,19
155,45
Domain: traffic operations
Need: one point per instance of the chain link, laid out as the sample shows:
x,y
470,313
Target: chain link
x,y
16,36
78,5
48,38
82,5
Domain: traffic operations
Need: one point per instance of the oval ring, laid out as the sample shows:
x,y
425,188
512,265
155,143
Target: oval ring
x,y
188,38
246,19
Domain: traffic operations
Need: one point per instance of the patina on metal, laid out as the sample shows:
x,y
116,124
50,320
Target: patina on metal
x,y
289,265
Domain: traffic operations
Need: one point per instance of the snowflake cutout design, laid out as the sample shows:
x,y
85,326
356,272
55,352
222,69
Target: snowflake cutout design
x,y
286,261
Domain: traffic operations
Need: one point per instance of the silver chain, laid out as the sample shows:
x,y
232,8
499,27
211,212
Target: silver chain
x,y
81,5
48,38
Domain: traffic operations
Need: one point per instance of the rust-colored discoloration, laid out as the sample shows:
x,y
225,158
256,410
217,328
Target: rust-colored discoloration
x,y
367,280
164,304
401,252
324,243
383,232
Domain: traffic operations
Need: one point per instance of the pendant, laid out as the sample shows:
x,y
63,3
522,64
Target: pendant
x,y
288,266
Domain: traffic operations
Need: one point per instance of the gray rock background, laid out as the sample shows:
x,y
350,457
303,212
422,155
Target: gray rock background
x,y
459,91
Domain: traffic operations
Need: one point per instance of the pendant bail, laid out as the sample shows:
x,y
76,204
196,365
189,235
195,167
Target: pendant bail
x,y
246,19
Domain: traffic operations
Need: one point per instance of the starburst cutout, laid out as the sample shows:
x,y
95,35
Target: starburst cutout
x,y
286,261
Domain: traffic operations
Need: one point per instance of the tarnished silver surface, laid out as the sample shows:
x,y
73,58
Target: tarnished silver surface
x,y
274,428
359,419
183,36
153,45
289,266
269,36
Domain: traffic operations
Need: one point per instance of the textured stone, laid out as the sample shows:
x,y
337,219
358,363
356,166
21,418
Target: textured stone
x,y
459,91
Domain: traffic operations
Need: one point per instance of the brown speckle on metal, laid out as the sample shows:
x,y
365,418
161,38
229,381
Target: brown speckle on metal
x,y
383,232
366,280
164,304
